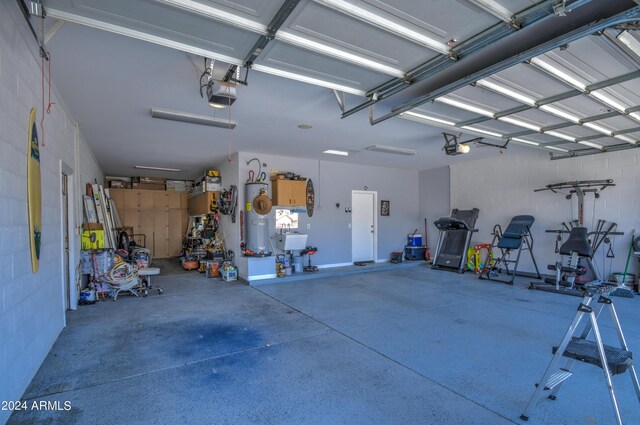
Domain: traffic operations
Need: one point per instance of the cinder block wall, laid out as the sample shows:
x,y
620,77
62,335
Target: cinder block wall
x,y
503,186
31,304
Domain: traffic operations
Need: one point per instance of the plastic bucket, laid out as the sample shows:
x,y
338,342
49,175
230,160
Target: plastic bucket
x,y
297,264
414,240
621,278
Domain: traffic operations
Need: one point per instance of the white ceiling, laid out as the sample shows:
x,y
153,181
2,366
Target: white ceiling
x,y
333,42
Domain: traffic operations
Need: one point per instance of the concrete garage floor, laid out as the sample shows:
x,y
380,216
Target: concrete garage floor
x,y
412,346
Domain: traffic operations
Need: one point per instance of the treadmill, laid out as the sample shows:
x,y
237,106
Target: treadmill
x,y
454,240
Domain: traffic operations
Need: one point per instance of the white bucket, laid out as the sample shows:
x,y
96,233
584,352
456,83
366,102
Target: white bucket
x,y
629,278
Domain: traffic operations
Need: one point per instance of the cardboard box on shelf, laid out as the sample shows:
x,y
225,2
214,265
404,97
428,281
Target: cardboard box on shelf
x,y
152,180
201,204
149,186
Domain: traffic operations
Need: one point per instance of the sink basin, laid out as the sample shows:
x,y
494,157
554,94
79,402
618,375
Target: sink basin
x,y
291,241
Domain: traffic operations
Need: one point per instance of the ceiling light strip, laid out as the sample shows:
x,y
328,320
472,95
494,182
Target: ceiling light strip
x,y
315,46
306,79
147,167
218,14
391,149
379,21
188,118
336,152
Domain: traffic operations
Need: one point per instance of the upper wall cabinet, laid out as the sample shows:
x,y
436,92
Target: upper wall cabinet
x,y
288,192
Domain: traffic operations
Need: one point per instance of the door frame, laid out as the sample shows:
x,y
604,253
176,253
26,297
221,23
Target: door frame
x,y
375,221
71,227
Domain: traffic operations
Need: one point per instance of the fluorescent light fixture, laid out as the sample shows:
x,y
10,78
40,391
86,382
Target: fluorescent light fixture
x,y
520,123
478,130
604,98
191,118
305,79
630,41
335,152
499,88
635,115
625,138
391,149
146,167
428,118
556,148
526,142
561,135
338,53
560,113
591,144
566,77
466,106
598,128
379,21
218,14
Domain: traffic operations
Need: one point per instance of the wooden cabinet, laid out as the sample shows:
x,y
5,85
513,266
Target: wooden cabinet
x,y
289,192
160,215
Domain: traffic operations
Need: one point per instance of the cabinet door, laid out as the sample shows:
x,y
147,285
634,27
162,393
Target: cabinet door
x,y
146,199
173,199
131,199
160,233
281,192
160,199
131,217
299,192
117,196
184,200
175,232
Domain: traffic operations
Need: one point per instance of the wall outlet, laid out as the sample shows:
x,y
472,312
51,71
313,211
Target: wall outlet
x,y
308,225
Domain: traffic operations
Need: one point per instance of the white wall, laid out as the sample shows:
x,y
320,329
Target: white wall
x,y
31,305
504,186
434,200
333,182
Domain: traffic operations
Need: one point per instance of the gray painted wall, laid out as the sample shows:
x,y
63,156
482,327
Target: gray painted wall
x,y
333,181
31,304
434,200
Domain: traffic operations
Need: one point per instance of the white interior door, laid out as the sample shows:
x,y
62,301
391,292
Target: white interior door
x,y
363,225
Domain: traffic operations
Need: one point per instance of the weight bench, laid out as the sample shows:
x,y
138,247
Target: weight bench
x,y
576,246
517,236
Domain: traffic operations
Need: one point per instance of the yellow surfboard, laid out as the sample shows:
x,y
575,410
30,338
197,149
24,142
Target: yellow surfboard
x,y
34,196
